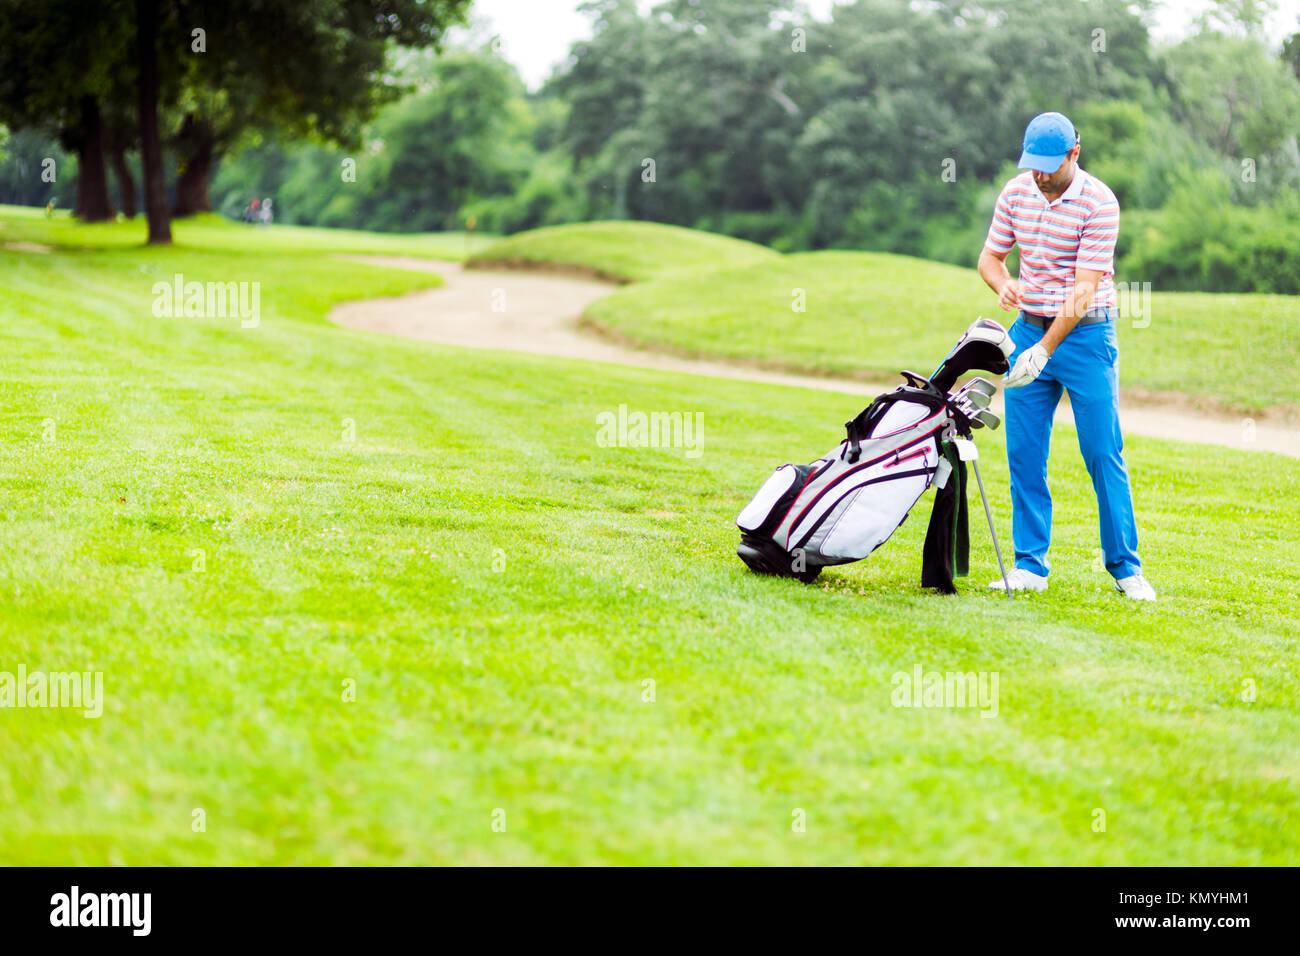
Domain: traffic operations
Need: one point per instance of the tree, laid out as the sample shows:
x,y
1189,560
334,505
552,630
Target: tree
x,y
306,67
302,68
24,155
155,185
712,94
60,63
1243,18
464,135
1291,53
1233,95
121,136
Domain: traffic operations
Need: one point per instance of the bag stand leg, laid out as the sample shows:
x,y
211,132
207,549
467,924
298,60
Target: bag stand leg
x,y
989,514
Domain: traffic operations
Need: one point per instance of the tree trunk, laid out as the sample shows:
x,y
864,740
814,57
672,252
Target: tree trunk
x,y
155,183
93,202
199,145
122,172
192,186
79,205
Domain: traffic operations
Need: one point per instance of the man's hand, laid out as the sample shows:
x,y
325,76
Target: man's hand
x,y
993,270
1028,366
1009,295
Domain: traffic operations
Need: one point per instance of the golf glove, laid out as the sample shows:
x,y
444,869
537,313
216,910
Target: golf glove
x,y
1028,367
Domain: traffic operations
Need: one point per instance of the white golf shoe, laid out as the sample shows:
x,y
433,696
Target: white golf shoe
x,y
1136,588
1021,580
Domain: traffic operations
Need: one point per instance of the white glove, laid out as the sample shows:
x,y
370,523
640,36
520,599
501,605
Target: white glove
x,y
1028,367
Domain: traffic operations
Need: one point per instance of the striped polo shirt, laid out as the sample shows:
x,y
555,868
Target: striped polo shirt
x,y
1077,231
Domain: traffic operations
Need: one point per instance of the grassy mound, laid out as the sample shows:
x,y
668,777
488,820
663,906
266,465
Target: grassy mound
x,y
622,251
868,314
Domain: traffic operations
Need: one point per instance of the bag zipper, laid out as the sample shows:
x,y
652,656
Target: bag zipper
x,y
898,461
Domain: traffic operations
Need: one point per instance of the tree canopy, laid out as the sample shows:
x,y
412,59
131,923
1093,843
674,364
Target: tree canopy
x,y
886,125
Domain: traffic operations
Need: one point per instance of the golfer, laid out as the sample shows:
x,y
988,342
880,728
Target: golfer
x,y
1066,223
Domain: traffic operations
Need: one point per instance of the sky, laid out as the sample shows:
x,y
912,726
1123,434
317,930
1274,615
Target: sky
x,y
536,34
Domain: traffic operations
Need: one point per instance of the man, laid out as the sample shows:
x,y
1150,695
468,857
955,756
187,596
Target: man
x,y
1066,223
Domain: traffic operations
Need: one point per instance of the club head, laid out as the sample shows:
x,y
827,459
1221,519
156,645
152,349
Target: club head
x,y
986,418
977,389
985,345
975,399
968,409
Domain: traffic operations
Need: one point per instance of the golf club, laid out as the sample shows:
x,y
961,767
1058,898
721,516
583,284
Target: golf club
x,y
979,416
971,413
978,390
989,514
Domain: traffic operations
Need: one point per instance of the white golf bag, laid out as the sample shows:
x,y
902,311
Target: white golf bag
x,y
844,505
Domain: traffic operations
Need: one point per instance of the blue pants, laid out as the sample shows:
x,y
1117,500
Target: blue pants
x,y
1086,365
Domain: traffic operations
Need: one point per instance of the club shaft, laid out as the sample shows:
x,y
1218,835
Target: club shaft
x,y
992,533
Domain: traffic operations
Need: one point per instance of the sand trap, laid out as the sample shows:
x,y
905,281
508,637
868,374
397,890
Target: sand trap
x,y
538,313
20,246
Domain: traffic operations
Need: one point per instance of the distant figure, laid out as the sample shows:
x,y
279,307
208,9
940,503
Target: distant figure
x,y
49,209
250,211
266,212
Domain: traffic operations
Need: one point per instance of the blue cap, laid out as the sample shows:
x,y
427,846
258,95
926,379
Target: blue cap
x,y
1049,137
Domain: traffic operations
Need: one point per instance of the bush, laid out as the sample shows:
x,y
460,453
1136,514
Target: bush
x,y
765,228
1201,242
548,197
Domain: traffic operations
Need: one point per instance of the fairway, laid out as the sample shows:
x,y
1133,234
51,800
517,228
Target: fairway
x,y
361,600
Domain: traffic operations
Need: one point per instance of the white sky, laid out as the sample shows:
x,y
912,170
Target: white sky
x,y
536,34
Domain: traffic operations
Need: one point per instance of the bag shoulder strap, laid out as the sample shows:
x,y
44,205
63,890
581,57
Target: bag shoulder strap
x,y
861,427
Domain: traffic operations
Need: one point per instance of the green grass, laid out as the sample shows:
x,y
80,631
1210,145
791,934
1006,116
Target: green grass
x,y
869,314
212,233
499,587
625,251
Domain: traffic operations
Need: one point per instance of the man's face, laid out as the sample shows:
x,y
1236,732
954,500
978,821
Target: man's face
x,y
1057,181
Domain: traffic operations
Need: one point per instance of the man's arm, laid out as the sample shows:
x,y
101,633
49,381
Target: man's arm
x,y
1077,303
1031,361
994,272
993,257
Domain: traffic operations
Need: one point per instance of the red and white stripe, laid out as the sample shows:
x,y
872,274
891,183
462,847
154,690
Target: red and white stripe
x,y
1076,231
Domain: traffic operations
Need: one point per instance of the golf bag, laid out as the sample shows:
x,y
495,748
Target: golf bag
x,y
846,504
